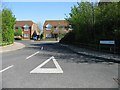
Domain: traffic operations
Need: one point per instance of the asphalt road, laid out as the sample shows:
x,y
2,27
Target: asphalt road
x,y
70,71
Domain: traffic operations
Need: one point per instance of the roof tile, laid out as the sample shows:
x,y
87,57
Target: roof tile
x,y
56,22
23,22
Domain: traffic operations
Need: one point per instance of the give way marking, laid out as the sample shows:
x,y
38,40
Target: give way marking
x,y
38,69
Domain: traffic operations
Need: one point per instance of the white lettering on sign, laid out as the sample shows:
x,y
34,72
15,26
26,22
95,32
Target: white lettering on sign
x,y
107,42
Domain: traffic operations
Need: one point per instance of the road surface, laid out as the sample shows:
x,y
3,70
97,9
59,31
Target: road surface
x,y
51,65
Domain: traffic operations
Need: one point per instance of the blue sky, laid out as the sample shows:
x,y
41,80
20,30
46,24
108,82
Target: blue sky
x,y
40,11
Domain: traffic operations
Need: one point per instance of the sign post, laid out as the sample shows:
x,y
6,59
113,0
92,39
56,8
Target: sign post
x,y
107,42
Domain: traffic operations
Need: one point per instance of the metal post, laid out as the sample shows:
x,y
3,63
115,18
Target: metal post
x,y
114,48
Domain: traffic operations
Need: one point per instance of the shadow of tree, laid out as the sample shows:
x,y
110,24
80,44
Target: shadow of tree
x,y
66,54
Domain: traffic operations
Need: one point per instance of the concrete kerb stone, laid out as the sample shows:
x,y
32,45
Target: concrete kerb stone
x,y
91,55
12,47
8,45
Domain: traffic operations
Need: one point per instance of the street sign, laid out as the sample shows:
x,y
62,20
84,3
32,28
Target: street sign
x,y
107,42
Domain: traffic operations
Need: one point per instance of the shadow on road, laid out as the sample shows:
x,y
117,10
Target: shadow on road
x,y
66,54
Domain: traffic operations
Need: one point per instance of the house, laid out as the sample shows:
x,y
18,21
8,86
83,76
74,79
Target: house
x,y
55,27
29,28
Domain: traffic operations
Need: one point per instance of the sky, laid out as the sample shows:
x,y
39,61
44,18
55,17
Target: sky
x,y
38,12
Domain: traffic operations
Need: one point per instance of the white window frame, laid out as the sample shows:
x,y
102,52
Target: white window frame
x,y
70,27
48,27
26,26
25,35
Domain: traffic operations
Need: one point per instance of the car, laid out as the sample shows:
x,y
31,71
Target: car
x,y
35,38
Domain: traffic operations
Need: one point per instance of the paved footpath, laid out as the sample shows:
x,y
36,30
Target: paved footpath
x,y
11,47
99,55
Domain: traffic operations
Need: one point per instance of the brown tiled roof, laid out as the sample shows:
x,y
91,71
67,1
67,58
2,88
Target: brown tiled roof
x,y
22,23
56,22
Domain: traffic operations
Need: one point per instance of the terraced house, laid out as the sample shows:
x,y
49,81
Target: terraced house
x,y
29,28
55,27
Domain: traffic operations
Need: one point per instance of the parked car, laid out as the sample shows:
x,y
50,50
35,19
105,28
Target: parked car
x,y
35,38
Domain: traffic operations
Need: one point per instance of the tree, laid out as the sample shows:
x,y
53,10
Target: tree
x,y
18,32
0,27
107,22
92,22
8,22
82,21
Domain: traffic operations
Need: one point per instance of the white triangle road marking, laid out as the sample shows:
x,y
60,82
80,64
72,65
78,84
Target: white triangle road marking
x,y
38,69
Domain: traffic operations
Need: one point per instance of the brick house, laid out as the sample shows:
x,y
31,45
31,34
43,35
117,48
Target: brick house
x,y
28,27
55,27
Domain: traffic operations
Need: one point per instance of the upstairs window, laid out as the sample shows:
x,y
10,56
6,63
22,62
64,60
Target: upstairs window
x,y
26,27
48,27
70,27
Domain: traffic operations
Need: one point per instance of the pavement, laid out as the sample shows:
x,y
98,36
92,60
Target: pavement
x,y
11,47
95,54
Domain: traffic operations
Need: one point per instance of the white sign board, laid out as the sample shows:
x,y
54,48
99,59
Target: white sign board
x,y
107,42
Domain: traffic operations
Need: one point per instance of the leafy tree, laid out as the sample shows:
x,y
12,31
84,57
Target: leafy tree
x,y
8,21
82,21
92,22
0,27
18,32
107,21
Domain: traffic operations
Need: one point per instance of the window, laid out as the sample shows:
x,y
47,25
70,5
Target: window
x,y
70,27
26,35
48,35
26,27
48,27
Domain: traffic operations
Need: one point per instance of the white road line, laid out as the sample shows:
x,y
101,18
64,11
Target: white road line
x,y
57,65
6,68
45,62
38,69
41,48
32,55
